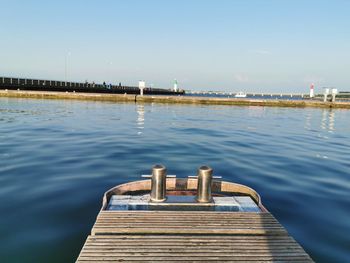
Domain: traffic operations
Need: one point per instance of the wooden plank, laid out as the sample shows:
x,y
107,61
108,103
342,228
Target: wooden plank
x,y
191,238
167,222
200,250
270,249
200,231
114,213
165,236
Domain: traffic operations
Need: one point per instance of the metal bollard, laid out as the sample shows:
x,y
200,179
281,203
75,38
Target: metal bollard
x,y
204,184
158,183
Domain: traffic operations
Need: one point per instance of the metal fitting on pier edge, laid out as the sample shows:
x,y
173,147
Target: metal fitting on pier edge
x,y
204,184
158,183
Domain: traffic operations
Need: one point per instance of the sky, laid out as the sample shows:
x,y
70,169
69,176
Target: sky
x,y
221,45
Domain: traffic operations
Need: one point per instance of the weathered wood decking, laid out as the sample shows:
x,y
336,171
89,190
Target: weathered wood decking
x,y
169,236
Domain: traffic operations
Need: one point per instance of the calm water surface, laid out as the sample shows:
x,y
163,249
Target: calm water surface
x,y
58,157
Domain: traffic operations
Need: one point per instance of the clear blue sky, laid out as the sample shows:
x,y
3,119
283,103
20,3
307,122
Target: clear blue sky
x,y
279,46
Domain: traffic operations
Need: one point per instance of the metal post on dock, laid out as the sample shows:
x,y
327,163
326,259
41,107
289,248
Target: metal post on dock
x,y
158,183
204,184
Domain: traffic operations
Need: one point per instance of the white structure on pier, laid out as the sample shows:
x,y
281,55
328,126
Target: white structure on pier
x,y
312,93
175,85
334,92
142,86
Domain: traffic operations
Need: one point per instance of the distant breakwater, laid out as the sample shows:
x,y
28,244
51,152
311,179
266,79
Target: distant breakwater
x,y
170,99
67,86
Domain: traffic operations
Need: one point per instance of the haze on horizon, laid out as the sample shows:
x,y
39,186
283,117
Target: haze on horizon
x,y
261,46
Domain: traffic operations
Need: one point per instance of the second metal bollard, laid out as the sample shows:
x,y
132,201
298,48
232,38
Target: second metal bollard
x,y
204,184
158,183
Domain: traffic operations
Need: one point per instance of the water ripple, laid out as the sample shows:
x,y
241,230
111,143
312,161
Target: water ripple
x,y
59,157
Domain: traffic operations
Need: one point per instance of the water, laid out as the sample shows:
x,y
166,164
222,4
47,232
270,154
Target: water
x,y
58,157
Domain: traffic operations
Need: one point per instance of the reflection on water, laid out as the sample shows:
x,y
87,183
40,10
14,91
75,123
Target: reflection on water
x,y
331,120
328,120
140,117
308,120
59,157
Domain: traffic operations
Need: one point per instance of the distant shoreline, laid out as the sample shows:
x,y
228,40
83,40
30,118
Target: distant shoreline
x,y
171,99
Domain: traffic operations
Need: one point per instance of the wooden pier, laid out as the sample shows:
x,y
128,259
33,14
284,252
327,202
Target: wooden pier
x,y
68,86
192,236
127,232
7,93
